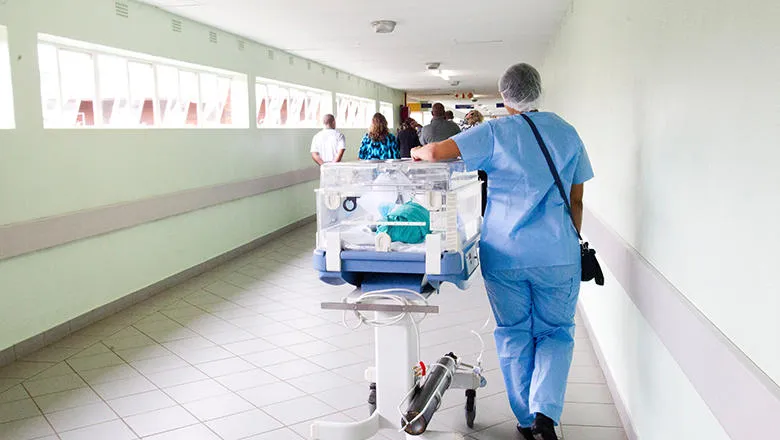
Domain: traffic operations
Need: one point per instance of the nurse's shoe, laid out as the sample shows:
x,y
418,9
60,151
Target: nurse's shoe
x,y
526,432
543,428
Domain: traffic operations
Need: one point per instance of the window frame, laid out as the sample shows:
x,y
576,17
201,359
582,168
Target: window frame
x,y
236,80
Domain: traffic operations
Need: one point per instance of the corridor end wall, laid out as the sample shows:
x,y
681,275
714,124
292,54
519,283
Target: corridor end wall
x,y
679,106
45,174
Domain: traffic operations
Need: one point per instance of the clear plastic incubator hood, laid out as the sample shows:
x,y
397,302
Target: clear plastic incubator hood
x,y
397,217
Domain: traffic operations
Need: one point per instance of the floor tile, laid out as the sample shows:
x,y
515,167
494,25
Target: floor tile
x,y
270,357
189,344
290,338
590,414
249,346
143,353
63,400
26,429
204,355
122,388
588,393
113,430
345,397
279,434
225,366
20,409
194,432
23,369
270,394
59,369
337,359
298,410
217,407
586,374
13,394
313,348
317,382
170,378
243,425
95,361
246,379
161,420
109,374
54,384
293,369
81,416
593,433
191,392
141,403
158,364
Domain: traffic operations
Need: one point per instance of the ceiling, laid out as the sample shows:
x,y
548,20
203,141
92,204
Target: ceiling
x,y
473,40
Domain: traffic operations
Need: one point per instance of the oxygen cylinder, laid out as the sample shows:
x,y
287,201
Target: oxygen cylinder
x,y
427,398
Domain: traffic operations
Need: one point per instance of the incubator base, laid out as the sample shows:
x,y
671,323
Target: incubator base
x,y
396,352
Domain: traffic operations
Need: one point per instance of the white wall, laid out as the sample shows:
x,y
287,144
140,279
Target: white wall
x,y
679,105
50,172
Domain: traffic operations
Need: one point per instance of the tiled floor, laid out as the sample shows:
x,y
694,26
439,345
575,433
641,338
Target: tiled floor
x,y
244,352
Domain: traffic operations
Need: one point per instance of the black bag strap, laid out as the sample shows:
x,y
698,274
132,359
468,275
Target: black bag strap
x,y
554,171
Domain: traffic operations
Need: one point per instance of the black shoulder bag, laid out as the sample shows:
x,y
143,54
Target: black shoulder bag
x,y
590,265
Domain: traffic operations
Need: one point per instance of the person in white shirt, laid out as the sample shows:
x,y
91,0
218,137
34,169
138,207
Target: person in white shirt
x,y
329,144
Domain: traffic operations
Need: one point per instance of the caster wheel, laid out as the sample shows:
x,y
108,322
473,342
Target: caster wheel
x,y
371,399
471,407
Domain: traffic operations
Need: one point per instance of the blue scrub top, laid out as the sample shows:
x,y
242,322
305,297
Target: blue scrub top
x,y
526,222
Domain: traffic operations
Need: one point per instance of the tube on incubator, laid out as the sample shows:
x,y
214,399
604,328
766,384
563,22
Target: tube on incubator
x,y
427,398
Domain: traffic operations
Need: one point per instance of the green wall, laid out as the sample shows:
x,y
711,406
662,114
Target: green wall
x,y
50,172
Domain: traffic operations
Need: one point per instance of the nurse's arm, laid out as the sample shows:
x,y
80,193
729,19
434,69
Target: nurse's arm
x,y
437,151
577,192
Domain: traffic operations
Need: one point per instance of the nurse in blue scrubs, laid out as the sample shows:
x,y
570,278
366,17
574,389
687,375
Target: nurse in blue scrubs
x,y
529,246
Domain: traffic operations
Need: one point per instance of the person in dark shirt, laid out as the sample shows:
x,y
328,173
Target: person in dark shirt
x,y
407,138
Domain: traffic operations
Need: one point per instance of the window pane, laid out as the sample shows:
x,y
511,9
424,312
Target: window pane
x,y
50,85
77,79
387,110
142,108
6,92
168,94
114,90
261,95
209,99
188,91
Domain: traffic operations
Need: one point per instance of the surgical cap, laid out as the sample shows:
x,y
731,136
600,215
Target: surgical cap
x,y
521,87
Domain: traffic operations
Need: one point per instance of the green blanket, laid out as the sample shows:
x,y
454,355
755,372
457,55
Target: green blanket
x,y
408,212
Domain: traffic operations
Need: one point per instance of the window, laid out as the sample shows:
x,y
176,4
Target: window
x,y
389,113
354,112
6,89
281,105
84,85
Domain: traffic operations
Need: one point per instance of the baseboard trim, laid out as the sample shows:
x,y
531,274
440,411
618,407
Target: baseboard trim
x,y
41,340
622,408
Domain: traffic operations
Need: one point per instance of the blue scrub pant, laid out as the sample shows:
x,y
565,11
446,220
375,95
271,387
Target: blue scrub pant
x,y
534,310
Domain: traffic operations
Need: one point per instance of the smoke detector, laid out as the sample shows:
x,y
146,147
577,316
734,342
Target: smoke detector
x,y
383,26
432,66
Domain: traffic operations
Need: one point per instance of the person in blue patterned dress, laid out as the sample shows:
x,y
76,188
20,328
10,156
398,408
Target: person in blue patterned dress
x,y
379,143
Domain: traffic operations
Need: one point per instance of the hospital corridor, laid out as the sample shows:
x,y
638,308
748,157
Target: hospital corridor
x,y
354,220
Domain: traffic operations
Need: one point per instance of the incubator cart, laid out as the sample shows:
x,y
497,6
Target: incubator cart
x,y
395,271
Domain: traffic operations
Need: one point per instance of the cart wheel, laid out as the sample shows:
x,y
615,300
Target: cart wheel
x,y
372,398
471,407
